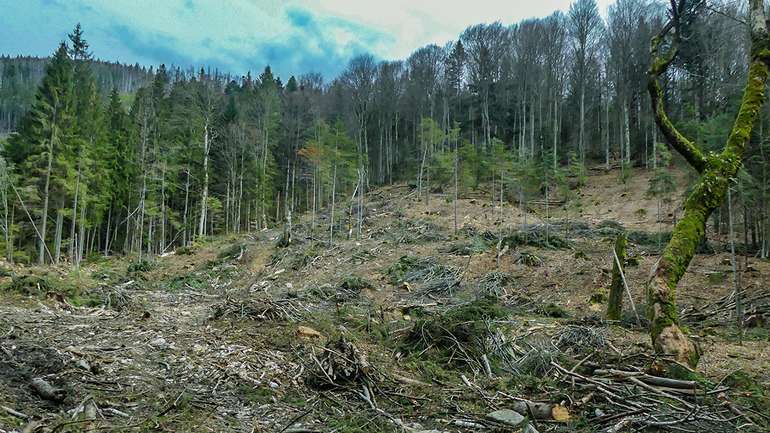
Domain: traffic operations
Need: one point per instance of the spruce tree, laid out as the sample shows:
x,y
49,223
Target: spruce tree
x,y
37,149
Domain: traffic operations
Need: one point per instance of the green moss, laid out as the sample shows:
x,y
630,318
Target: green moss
x,y
710,191
255,394
599,296
716,277
553,310
355,284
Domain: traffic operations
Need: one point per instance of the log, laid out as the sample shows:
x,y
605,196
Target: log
x,y
47,391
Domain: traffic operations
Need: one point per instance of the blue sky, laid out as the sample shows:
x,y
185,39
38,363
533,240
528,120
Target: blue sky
x,y
293,36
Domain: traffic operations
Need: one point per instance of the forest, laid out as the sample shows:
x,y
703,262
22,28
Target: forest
x,y
192,153
565,156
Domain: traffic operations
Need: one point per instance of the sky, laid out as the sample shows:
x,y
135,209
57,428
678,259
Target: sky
x,y
292,36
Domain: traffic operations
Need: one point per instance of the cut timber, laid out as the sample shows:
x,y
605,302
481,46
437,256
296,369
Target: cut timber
x,y
47,391
544,411
549,203
305,331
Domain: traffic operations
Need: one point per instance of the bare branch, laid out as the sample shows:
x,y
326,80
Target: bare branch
x,y
658,66
754,95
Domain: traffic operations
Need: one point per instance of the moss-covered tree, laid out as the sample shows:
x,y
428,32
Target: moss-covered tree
x,y
715,169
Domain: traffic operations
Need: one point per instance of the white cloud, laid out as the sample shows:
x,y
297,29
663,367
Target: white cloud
x,y
415,23
294,36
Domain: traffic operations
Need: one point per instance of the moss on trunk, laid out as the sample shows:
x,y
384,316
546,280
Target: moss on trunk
x,y
710,191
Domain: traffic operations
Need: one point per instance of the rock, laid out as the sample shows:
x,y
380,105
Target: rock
x,y
506,416
159,342
307,332
83,365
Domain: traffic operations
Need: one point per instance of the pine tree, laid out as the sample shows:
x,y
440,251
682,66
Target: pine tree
x,y
79,50
119,160
43,138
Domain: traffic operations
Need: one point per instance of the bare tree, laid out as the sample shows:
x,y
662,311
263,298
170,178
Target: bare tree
x,y
585,26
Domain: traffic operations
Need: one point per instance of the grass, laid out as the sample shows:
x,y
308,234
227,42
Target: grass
x,y
398,270
752,394
73,287
187,281
140,267
354,283
540,236
474,245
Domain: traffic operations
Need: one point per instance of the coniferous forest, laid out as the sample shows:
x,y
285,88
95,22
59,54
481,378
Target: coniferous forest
x,y
556,225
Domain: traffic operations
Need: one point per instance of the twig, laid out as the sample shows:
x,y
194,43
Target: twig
x,y
14,412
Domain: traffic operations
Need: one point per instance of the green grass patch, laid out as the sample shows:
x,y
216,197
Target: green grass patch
x,y
140,266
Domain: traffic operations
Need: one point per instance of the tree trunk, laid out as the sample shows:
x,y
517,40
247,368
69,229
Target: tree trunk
x,y
456,164
74,215
716,171
334,193
186,210
44,216
205,193
615,301
57,235
581,145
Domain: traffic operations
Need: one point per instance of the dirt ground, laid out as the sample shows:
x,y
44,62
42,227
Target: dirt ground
x,y
233,334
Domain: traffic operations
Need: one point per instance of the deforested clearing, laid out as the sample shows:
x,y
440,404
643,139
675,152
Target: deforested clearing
x,y
347,338
251,216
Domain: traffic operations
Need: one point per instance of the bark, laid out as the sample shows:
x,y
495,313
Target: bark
x,y
186,204
57,235
42,247
581,144
615,302
456,164
205,193
107,233
74,215
710,190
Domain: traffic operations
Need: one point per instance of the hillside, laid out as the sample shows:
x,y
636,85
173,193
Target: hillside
x,y
20,77
410,328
